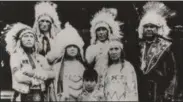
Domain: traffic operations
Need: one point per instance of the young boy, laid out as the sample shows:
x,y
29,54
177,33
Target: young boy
x,y
90,92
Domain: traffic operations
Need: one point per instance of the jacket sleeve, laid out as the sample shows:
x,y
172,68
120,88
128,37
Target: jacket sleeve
x,y
171,73
17,71
45,72
132,94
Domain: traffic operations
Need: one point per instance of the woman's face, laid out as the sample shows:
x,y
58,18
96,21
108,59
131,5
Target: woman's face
x,y
114,53
72,50
28,40
102,34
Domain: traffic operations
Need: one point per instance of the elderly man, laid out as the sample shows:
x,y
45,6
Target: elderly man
x,y
29,69
157,59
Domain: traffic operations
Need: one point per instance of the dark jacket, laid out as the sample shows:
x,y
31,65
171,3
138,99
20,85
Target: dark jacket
x,y
159,73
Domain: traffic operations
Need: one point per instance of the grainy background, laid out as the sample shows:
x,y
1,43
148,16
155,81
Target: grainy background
x,y
79,14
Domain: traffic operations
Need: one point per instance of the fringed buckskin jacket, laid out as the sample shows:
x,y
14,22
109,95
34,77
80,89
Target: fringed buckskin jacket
x,y
159,70
20,64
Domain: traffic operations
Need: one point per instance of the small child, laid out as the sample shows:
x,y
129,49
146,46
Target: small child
x,y
90,92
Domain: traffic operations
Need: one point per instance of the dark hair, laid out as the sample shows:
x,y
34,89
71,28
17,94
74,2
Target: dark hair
x,y
90,75
78,56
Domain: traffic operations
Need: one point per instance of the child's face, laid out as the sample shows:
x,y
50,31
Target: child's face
x,y
89,85
72,50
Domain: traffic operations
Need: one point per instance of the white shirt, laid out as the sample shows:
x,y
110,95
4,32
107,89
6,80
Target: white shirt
x,y
121,83
72,80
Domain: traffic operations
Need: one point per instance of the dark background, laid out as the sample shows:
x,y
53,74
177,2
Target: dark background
x,y
79,14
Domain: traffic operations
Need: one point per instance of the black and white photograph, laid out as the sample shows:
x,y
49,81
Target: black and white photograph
x,y
127,51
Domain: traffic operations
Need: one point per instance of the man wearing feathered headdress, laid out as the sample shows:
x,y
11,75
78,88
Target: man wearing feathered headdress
x,y
29,69
157,59
46,25
104,28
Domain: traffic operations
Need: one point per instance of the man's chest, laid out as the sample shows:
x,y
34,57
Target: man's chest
x,y
151,55
26,63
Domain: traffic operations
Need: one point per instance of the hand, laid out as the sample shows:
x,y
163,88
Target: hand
x,y
29,72
35,82
42,75
64,97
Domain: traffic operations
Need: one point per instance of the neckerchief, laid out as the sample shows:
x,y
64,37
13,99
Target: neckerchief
x,y
31,61
46,45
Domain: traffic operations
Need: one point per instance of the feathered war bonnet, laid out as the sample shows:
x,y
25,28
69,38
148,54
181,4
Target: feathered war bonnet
x,y
47,10
156,13
67,36
13,35
106,18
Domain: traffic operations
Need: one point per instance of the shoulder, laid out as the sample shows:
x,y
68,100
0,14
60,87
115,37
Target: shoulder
x,y
16,59
141,42
90,47
40,58
128,65
166,45
80,65
129,69
94,48
16,56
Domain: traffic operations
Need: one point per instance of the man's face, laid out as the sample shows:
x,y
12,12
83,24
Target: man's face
x,y
102,34
72,50
44,24
28,40
150,30
114,53
89,85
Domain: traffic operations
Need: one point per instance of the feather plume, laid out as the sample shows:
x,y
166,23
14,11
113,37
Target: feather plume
x,y
12,36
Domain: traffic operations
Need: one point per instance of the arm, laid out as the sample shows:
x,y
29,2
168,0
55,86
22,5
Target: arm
x,y
17,71
132,92
65,93
53,56
104,82
44,72
48,69
172,74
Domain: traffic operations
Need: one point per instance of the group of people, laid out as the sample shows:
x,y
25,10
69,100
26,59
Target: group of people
x,y
49,64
